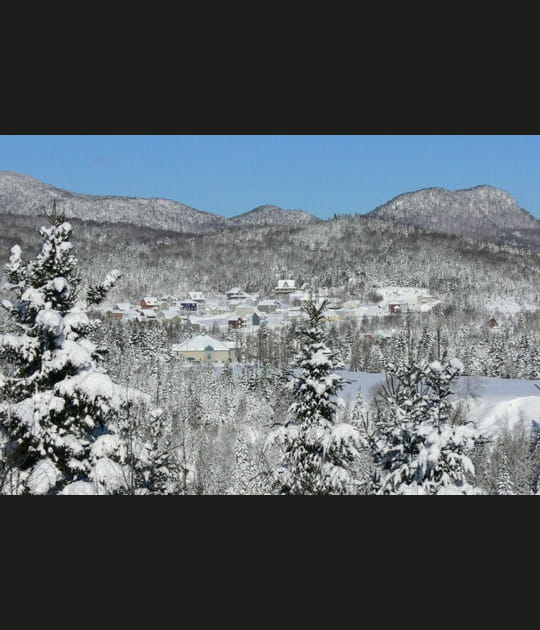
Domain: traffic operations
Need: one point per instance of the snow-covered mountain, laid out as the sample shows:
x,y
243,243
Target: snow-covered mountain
x,y
22,194
482,212
273,215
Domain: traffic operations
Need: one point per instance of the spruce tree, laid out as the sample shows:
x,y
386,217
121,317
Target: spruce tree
x,y
317,452
58,406
415,446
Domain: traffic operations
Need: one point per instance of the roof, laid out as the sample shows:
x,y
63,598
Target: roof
x,y
267,303
199,343
196,295
124,306
286,284
235,290
169,313
151,300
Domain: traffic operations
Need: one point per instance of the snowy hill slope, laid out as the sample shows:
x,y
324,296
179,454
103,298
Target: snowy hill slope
x,y
273,215
25,195
482,212
22,194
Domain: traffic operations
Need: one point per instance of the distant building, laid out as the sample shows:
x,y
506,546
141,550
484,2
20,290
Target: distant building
x,y
196,296
149,302
258,318
491,325
268,306
115,314
396,309
188,305
148,314
205,349
170,314
238,322
285,286
166,301
236,293
245,309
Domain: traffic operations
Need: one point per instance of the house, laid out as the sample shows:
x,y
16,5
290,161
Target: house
x,y
239,322
258,318
396,308
236,293
491,325
196,296
170,314
167,301
204,349
245,309
188,305
268,306
149,302
115,314
285,286
148,314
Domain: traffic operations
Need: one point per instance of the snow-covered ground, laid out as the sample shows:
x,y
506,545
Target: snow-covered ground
x,y
492,401
508,306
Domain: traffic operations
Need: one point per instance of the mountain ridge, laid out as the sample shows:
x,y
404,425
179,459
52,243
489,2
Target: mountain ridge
x,y
27,195
483,212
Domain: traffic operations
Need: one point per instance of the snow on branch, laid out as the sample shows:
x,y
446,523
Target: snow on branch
x,y
97,293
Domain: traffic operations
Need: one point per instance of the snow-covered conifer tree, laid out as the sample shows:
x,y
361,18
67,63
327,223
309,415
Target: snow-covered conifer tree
x,y
416,447
57,404
317,451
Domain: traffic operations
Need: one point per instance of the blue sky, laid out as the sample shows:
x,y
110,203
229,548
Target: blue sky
x,y
323,174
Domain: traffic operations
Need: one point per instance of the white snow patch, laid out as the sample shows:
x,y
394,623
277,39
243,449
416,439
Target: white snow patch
x,y
109,474
44,476
80,488
51,320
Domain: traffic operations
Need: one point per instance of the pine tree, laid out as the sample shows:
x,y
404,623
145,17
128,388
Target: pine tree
x,y
317,452
59,406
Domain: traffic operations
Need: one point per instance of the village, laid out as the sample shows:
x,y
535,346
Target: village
x,y
239,312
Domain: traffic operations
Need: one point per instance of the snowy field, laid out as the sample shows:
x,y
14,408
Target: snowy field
x,y
492,401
